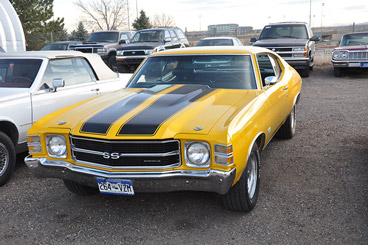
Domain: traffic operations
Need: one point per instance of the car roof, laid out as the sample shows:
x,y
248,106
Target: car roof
x,y
210,38
215,50
287,23
102,70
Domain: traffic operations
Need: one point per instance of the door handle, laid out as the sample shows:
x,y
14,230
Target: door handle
x,y
286,88
95,89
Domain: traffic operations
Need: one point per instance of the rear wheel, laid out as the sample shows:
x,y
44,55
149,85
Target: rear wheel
x,y
81,190
243,196
287,130
7,158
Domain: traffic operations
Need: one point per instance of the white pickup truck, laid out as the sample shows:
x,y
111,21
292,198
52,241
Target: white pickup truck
x,y
36,83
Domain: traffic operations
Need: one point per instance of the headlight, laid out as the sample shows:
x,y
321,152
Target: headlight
x,y
340,55
101,50
299,49
149,51
197,154
56,146
119,52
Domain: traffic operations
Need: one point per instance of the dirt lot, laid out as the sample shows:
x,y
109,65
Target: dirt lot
x,y
314,190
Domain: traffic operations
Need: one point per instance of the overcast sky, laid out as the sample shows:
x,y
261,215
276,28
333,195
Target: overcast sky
x,y
196,15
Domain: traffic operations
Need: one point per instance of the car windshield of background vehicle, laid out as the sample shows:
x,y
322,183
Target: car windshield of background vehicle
x,y
355,39
148,36
103,37
215,42
55,46
18,73
215,71
284,31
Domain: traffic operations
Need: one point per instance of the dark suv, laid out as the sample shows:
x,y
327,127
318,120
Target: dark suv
x,y
146,42
105,44
294,41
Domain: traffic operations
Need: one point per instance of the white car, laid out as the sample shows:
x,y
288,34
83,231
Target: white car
x,y
34,84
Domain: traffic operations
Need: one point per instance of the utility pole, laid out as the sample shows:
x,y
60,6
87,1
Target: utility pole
x,y
310,13
128,15
136,7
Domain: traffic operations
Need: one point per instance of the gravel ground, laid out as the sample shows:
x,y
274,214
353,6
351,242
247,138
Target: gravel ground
x,y
314,190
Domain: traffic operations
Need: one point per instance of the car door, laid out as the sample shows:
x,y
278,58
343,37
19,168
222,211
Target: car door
x,y
80,85
277,93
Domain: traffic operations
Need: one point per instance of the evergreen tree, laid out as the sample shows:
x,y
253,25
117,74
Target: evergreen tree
x,y
38,26
142,22
80,34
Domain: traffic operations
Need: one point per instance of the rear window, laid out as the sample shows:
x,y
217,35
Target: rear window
x,y
215,42
215,71
354,39
18,73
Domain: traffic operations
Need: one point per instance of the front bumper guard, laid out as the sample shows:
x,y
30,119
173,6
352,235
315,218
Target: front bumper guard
x,y
148,181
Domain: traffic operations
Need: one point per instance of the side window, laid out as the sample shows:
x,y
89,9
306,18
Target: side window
x,y
266,67
173,36
73,70
180,34
167,34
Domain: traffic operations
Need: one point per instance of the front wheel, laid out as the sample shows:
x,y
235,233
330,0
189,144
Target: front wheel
x,y
337,72
111,63
7,158
243,196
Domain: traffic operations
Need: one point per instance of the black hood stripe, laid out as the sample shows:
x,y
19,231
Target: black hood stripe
x,y
102,121
149,120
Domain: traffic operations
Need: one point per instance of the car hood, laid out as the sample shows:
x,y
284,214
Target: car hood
x,y
135,46
155,113
354,47
280,42
12,93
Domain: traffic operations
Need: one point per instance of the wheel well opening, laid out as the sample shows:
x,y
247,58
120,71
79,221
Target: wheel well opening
x,y
10,130
260,141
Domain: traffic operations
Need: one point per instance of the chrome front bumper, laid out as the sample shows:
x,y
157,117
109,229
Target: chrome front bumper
x,y
156,181
348,63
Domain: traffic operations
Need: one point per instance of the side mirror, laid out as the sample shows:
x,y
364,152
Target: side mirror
x,y
167,39
57,83
122,41
315,39
271,80
253,40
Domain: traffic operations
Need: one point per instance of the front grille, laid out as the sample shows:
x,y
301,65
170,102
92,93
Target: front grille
x,y
126,153
358,55
85,50
133,53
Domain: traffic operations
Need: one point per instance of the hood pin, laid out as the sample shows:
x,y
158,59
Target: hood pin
x,y
62,123
198,128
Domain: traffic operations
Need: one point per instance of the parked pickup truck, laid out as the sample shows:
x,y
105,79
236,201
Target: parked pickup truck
x,y
34,84
105,44
146,42
293,41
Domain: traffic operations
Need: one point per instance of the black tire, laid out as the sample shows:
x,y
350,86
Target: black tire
x,y
337,72
81,190
7,158
305,72
243,196
111,63
287,130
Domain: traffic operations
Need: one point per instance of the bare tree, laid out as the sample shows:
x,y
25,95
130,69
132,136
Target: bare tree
x,y
105,14
163,20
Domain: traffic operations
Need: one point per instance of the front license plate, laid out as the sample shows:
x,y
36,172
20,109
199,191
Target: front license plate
x,y
364,64
115,186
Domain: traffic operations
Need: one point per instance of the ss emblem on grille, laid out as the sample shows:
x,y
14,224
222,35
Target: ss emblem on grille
x,y
113,155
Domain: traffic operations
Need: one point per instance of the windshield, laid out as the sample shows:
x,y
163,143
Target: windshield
x,y
148,36
215,42
18,73
103,37
354,39
215,71
284,31
55,46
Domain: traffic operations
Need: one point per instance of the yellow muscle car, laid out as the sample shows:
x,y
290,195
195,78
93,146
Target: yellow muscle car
x,y
190,119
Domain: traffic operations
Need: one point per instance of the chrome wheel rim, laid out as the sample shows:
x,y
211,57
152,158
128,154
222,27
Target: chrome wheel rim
x,y
252,175
4,159
293,117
